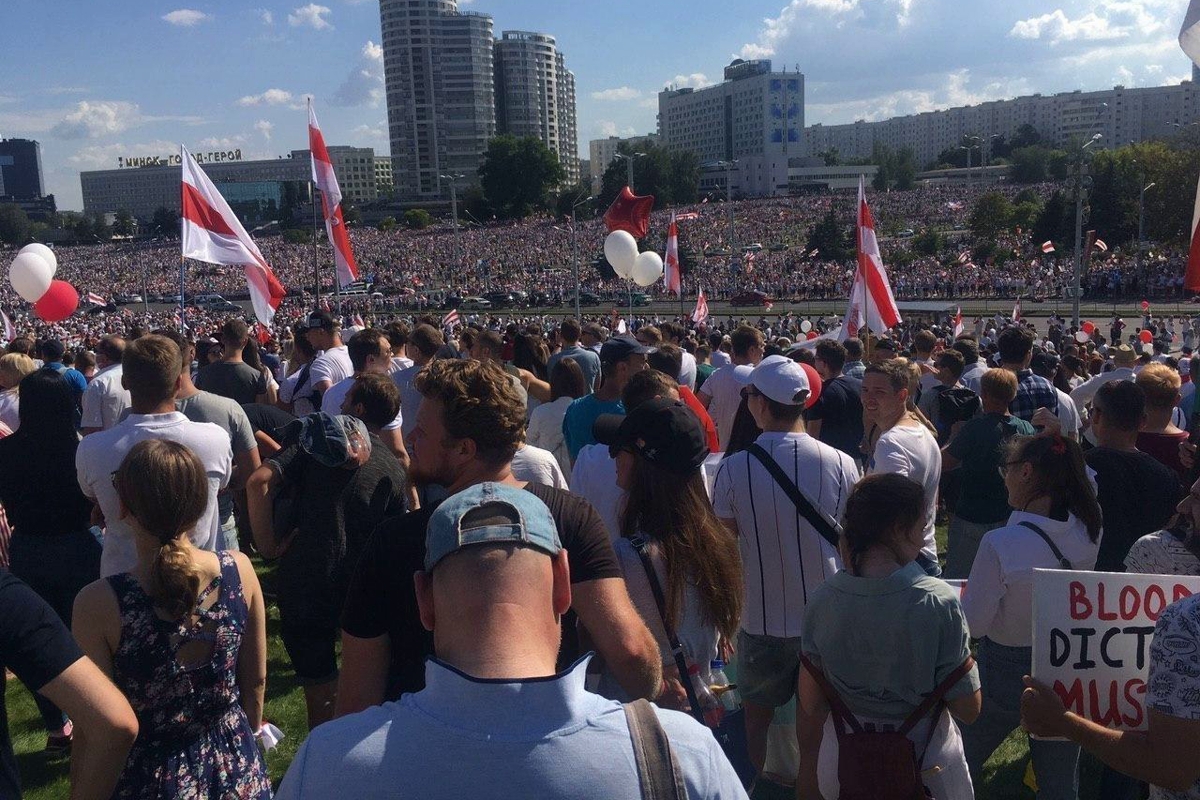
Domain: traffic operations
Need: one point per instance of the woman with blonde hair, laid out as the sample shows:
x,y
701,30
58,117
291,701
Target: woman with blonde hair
x,y
183,636
13,368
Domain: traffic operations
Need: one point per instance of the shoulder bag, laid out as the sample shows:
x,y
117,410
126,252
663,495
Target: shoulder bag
x,y
829,531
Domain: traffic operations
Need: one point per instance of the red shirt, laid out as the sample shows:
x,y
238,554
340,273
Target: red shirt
x,y
1164,447
710,430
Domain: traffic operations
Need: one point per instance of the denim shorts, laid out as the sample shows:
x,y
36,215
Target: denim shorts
x,y
767,668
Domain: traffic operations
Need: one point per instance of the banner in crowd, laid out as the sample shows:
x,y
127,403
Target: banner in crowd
x,y
1091,638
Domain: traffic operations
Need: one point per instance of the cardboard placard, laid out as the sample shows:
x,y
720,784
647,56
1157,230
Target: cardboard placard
x,y
1091,638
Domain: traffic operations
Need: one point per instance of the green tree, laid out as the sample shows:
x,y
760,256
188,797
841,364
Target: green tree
x,y
1026,136
124,224
165,221
297,236
1056,223
14,224
928,242
683,177
517,174
1025,214
387,223
672,177
832,157
991,216
350,213
831,237
897,168
571,195
417,218
1059,165
1029,164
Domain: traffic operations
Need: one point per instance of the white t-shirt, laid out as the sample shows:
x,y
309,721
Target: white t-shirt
x,y
913,452
719,359
399,363
100,454
726,393
535,465
784,559
545,430
331,402
594,478
104,401
687,370
1068,414
332,365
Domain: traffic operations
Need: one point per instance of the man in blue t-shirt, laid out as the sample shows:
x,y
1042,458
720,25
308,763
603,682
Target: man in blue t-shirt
x,y
620,358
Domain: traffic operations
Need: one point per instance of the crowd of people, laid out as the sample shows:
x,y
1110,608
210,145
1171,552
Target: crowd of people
x,y
458,514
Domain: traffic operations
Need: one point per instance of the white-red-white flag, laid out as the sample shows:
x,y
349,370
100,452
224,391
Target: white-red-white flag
x,y
1047,246
1100,245
450,319
94,299
1016,315
673,280
700,313
10,332
331,202
964,256
958,323
871,300
212,233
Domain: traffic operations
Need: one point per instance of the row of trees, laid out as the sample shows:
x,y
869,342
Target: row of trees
x,y
897,168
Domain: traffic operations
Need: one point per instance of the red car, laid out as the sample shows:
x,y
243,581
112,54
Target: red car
x,y
752,298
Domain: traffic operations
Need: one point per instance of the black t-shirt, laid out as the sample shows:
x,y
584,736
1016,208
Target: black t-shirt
x,y
335,511
1137,496
840,410
238,381
382,599
37,647
39,487
269,419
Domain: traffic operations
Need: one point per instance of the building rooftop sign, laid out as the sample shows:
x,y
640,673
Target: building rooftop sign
x,y
220,156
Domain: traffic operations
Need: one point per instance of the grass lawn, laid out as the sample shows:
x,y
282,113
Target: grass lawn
x,y
47,779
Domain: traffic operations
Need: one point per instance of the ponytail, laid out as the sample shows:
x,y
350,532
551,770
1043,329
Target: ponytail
x,y
163,486
1062,474
880,510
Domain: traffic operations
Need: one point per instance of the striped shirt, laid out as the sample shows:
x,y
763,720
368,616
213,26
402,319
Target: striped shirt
x,y
783,558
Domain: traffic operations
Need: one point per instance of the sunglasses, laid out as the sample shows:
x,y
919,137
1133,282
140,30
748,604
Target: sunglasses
x,y
750,391
1006,466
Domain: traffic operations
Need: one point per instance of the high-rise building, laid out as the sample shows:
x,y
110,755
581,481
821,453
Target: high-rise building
x,y
754,117
440,93
535,95
601,153
21,169
1121,115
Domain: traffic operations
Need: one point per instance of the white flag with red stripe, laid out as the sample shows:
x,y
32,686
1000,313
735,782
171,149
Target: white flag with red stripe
x,y
94,299
958,323
331,202
450,319
871,300
212,233
1016,315
700,313
10,332
1047,246
674,278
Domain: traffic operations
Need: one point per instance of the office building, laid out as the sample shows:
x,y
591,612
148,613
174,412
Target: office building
x,y
601,153
754,117
535,95
383,176
21,169
142,190
1121,115
440,82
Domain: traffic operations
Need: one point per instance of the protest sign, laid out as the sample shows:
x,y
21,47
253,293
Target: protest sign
x,y
1091,638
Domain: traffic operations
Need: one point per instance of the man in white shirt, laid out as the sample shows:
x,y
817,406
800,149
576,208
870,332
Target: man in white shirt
x,y
105,399
784,557
397,334
152,366
904,445
974,366
332,363
721,393
1124,359
719,357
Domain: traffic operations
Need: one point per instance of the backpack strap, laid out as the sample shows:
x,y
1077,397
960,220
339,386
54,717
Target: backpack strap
x,y
658,772
639,544
843,717
829,531
935,697
1062,560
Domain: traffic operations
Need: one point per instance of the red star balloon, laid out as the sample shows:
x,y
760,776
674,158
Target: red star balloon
x,y
630,213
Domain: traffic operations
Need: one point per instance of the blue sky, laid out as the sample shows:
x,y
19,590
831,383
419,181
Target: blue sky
x,y
93,80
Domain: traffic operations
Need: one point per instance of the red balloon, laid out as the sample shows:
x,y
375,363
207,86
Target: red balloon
x,y
1146,336
814,384
1145,305
58,303
1089,328
810,335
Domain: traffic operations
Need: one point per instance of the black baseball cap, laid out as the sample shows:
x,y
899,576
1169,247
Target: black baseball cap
x,y
619,348
664,432
53,349
321,320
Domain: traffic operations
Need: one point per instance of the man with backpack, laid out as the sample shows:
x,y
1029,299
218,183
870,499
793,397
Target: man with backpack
x,y
948,402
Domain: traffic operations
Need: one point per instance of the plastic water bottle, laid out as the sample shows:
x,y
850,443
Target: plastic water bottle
x,y
724,691
710,706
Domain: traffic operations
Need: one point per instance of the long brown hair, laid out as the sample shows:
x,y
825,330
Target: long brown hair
x,y
163,486
880,510
1061,475
674,511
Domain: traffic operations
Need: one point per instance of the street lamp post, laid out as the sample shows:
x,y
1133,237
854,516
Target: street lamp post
x,y
454,213
1142,232
575,252
1079,191
628,159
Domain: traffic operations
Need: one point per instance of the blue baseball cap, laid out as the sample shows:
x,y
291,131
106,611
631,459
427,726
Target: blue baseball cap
x,y
489,513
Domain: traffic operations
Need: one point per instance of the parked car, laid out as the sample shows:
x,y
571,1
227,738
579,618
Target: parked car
x,y
499,299
475,304
907,233
640,299
585,299
752,298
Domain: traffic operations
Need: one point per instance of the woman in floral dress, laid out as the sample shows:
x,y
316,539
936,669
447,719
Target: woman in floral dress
x,y
184,637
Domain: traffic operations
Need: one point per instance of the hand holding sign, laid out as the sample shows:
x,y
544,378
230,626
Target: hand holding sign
x,y
1042,711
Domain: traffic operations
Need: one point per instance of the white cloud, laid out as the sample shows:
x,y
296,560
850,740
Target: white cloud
x,y
312,16
265,14
619,93
104,156
776,29
609,128
1057,27
364,84
954,91
377,132
186,17
697,80
265,128
95,118
271,97
223,142
67,90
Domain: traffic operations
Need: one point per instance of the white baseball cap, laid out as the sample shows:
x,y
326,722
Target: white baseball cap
x,y
779,378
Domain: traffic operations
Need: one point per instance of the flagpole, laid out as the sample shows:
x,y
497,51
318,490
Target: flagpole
x,y
182,279
312,196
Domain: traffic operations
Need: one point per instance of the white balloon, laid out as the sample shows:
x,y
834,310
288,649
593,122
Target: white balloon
x,y
1082,337
647,268
805,326
30,276
43,251
620,248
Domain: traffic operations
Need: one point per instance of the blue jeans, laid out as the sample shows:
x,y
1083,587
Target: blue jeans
x,y
1000,671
